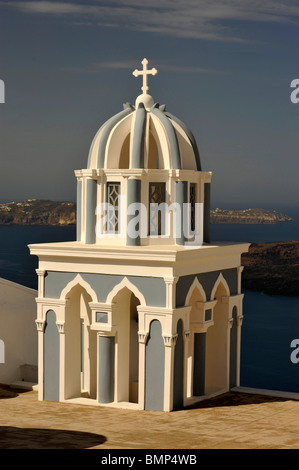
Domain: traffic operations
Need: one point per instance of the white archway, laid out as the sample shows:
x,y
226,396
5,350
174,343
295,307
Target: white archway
x,y
129,285
78,280
195,285
218,340
220,280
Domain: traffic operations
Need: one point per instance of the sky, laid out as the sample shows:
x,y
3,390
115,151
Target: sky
x,y
225,68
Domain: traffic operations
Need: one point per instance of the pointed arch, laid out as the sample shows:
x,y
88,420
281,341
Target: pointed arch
x,y
220,280
195,285
129,285
78,280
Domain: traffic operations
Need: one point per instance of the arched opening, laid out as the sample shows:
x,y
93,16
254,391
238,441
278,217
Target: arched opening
x,y
197,343
178,378
233,350
154,368
80,346
217,346
125,317
51,358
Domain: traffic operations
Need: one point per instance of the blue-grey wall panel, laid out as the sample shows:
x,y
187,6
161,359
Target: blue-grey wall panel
x,y
154,368
55,282
207,281
153,288
51,358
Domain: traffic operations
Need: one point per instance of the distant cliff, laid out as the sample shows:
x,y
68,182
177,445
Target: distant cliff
x,y
38,212
248,216
272,268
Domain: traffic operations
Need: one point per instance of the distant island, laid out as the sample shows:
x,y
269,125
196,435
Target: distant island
x,y
38,212
248,216
272,268
44,212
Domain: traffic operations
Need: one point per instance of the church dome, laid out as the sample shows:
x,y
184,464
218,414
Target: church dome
x,y
144,136
145,160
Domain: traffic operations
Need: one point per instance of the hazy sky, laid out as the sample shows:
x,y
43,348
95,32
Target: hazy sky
x,y
225,68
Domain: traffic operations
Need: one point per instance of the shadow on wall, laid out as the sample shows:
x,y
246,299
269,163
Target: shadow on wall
x,y
28,438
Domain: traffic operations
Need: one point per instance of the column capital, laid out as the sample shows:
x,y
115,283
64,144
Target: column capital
x,y
170,340
60,326
142,337
171,280
40,272
40,325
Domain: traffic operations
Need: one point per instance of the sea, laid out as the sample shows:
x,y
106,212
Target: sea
x,y
270,324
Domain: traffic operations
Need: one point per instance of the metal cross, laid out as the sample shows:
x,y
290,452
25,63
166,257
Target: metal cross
x,y
145,72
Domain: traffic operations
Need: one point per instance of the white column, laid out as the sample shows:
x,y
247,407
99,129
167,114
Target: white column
x,y
170,291
142,338
41,282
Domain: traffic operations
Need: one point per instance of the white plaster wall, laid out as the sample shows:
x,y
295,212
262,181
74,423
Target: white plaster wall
x,y
17,329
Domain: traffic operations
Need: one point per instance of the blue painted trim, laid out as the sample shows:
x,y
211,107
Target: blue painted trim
x,y
190,137
172,138
138,138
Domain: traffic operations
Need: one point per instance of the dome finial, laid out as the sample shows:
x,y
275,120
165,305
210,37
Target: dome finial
x,y
145,72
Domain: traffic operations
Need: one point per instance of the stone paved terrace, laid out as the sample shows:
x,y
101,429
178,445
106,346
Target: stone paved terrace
x,y
232,421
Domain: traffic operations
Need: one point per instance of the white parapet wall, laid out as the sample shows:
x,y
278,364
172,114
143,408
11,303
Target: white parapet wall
x,y
18,335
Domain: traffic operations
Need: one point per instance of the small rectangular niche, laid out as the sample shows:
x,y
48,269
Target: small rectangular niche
x,y
101,317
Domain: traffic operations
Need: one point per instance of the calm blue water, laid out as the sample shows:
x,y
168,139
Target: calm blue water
x,y
270,323
16,263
